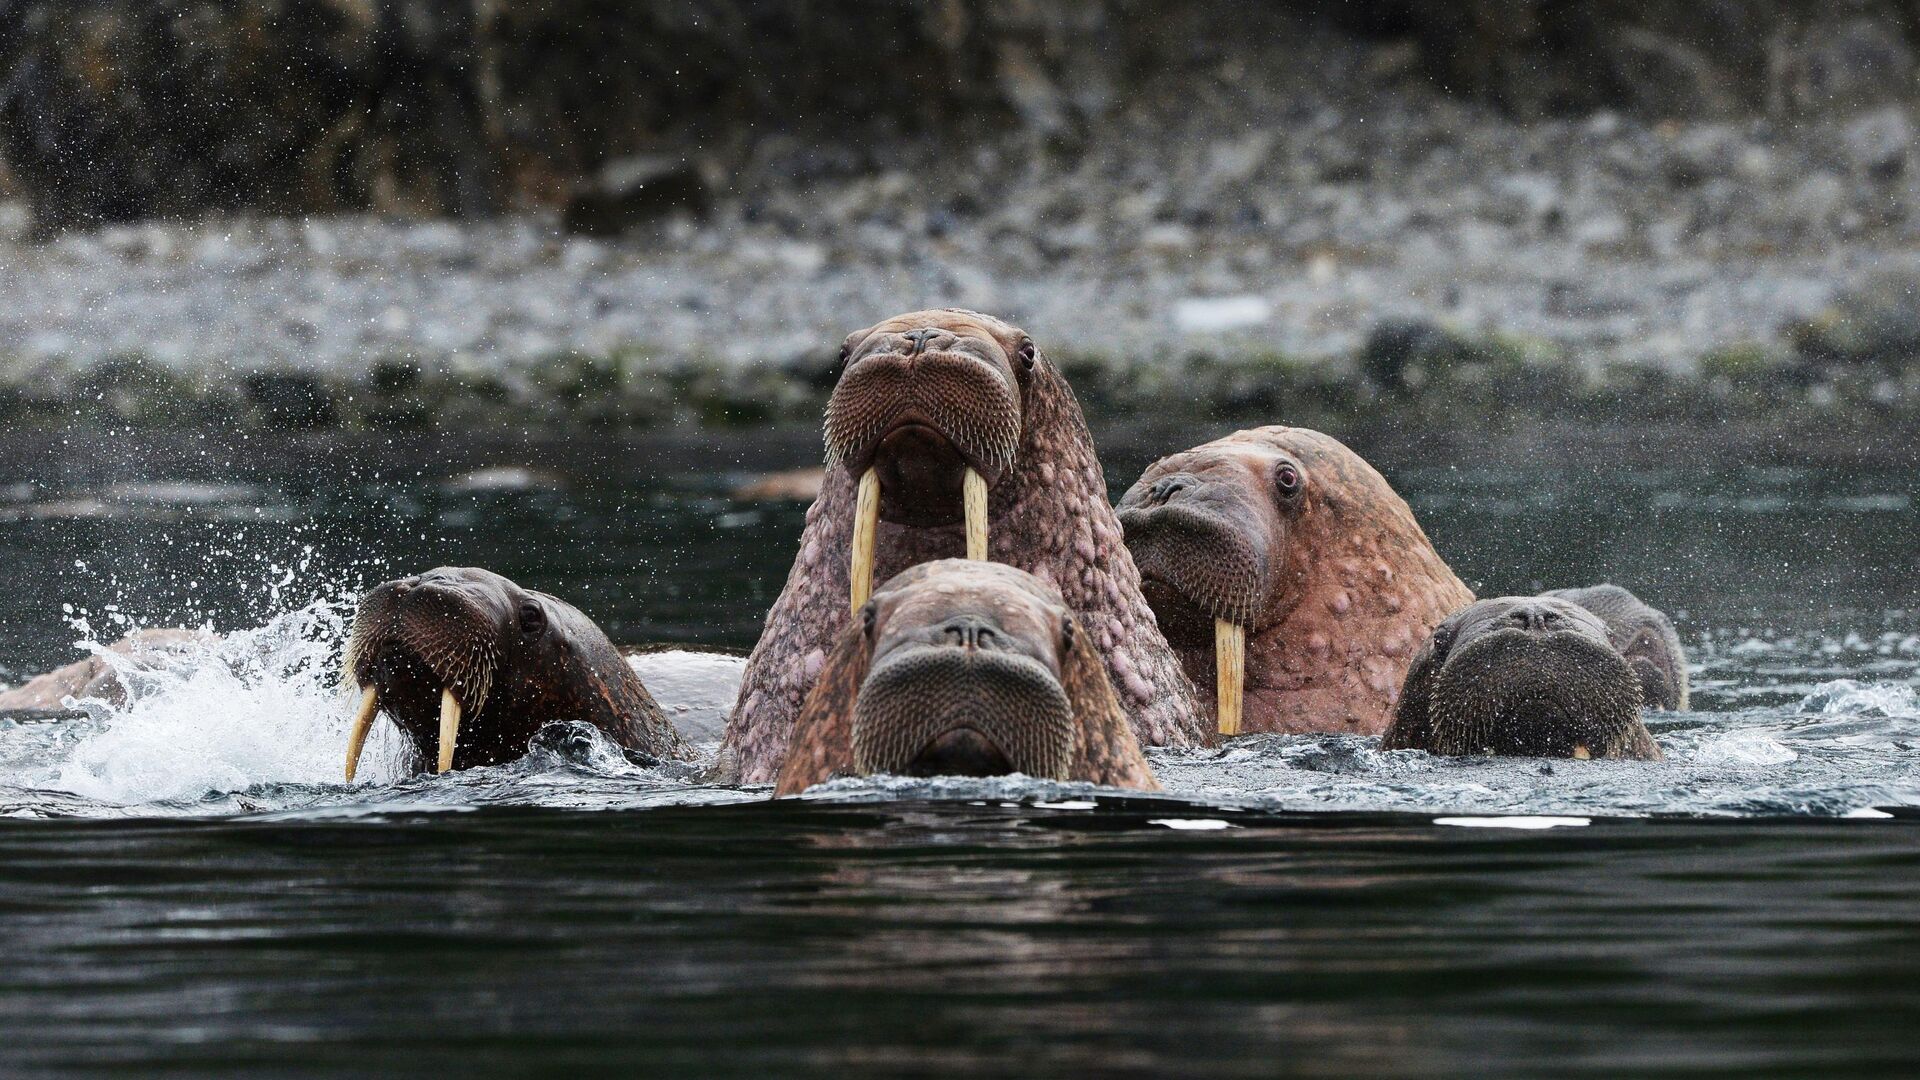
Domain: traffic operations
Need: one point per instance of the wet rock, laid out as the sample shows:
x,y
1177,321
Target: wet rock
x,y
290,399
1877,323
1878,143
1845,62
633,191
1400,354
793,485
1219,314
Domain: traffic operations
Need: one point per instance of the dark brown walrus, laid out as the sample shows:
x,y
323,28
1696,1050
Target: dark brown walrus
x,y
965,668
944,409
470,666
1283,543
1541,676
1644,636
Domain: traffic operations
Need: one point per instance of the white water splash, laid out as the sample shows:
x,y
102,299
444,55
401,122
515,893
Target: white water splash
x,y
257,707
1746,746
1846,697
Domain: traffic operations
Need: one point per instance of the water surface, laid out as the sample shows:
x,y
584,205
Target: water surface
x,y
186,886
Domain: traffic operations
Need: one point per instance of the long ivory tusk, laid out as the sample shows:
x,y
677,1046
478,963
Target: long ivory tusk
x,y
866,522
449,727
362,723
1230,672
974,499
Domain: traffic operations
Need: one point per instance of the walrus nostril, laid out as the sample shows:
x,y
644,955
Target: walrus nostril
x,y
1167,487
1530,618
970,632
918,339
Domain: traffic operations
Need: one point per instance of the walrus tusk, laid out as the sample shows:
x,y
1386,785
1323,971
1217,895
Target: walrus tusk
x,y
449,727
974,499
1581,753
866,522
1230,672
362,723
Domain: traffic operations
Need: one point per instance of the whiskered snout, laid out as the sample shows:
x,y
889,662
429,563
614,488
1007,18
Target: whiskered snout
x,y
962,709
922,414
1204,549
425,649
961,667
1535,690
1202,556
927,415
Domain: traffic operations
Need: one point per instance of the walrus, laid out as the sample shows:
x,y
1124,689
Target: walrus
x,y
964,668
1527,676
470,666
949,433
1644,637
1291,580
96,677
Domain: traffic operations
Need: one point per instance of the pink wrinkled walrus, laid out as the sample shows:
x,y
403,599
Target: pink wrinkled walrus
x,y
940,409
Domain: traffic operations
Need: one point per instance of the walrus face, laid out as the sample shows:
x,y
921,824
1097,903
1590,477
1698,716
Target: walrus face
x,y
470,666
965,677
923,398
1209,531
964,668
927,416
1523,676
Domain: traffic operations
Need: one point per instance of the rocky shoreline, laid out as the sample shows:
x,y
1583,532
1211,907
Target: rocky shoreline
x,y
1247,244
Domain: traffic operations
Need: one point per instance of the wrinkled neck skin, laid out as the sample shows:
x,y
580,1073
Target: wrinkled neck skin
x,y
1049,516
1357,598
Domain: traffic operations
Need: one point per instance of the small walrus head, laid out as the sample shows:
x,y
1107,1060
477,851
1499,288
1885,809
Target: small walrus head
x,y
1286,533
959,667
470,666
1526,676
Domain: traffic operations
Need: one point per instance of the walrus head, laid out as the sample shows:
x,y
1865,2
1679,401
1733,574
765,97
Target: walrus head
x,y
1285,536
470,665
964,668
1526,676
927,416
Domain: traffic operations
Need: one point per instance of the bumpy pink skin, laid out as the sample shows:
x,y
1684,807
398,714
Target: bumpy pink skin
x,y
1049,516
1358,593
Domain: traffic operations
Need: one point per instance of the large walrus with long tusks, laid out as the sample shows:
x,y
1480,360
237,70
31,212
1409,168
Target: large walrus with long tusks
x,y
951,434
1292,581
470,666
964,668
1542,676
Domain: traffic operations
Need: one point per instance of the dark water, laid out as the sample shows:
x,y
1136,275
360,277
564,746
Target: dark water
x,y
911,938
185,888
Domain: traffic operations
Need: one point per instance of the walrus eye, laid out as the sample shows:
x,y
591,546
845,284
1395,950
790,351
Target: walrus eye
x,y
1026,354
1066,635
533,618
866,618
1287,479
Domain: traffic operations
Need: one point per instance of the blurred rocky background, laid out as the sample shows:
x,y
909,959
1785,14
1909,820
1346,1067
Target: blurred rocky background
x,y
385,212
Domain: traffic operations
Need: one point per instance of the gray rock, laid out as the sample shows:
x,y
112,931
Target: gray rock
x,y
1878,143
635,190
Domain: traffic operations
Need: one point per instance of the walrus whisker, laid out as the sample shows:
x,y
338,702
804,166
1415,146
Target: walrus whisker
x,y
362,723
974,499
866,523
1230,672
449,727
